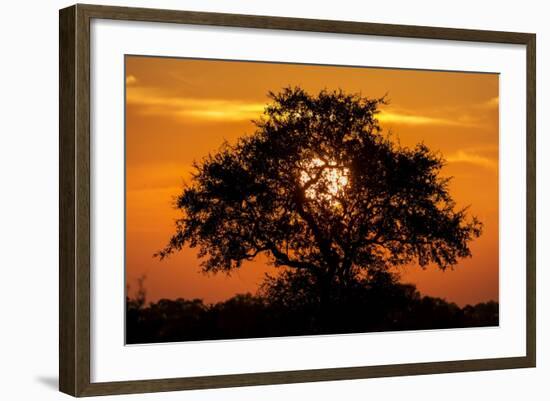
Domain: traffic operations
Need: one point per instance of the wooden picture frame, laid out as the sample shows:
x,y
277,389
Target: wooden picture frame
x,y
74,203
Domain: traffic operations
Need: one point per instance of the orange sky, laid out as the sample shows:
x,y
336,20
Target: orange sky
x,y
178,110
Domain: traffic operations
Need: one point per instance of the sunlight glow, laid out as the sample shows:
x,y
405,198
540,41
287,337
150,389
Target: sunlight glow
x,y
324,180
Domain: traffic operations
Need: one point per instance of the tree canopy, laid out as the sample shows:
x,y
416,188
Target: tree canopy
x,y
319,188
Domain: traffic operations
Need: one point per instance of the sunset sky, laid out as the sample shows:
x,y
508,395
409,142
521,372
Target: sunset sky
x,y
179,110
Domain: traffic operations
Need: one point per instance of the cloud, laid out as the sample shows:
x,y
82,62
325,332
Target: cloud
x,y
221,110
130,79
193,108
471,157
211,109
415,119
492,102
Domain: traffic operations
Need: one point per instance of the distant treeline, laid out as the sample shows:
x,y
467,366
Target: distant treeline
x,y
391,307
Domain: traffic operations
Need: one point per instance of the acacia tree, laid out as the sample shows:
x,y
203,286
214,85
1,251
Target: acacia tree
x,y
321,190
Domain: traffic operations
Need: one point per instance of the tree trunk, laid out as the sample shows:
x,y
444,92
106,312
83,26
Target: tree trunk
x,y
325,302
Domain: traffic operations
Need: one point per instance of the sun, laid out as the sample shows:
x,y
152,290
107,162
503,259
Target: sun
x,y
324,180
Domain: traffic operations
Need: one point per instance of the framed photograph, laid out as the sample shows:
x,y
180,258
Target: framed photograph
x,y
250,200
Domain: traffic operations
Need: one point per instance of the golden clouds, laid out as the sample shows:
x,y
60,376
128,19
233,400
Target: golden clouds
x,y
130,79
492,102
473,157
415,119
154,102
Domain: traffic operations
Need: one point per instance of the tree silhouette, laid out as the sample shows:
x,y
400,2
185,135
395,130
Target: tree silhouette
x,y
321,190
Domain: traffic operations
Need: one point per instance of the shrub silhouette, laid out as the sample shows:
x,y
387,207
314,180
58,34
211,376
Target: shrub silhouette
x,y
277,311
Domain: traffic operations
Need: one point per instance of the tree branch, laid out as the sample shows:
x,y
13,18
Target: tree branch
x,y
284,259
